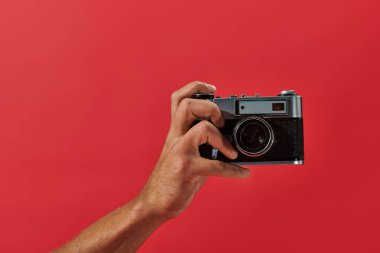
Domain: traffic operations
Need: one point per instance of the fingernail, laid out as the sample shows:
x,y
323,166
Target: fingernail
x,y
234,154
212,87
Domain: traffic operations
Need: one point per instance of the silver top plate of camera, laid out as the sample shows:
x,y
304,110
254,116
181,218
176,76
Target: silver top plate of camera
x,y
287,104
261,107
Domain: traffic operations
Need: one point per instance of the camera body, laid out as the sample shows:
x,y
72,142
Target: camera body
x,y
264,130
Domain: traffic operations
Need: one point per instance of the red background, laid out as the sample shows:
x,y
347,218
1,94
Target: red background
x,y
84,111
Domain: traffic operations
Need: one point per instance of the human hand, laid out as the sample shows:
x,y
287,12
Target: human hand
x,y
181,171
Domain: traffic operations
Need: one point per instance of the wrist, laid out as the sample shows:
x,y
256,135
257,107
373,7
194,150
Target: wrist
x,y
148,210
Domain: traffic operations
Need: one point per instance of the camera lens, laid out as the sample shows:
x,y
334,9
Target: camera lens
x,y
253,136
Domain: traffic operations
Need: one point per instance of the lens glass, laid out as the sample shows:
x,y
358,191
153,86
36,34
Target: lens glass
x,y
253,136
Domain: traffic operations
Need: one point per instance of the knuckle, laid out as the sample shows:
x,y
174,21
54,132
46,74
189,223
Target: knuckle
x,y
174,96
220,168
230,169
186,102
236,170
205,126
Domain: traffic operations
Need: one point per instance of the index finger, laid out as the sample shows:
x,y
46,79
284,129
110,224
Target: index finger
x,y
205,132
187,91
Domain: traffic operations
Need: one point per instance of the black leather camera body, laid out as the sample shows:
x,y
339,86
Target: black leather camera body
x,y
264,130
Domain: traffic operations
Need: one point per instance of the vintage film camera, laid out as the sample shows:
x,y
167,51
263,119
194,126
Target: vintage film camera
x,y
264,130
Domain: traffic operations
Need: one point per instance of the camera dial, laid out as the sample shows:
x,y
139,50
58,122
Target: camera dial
x,y
287,93
203,96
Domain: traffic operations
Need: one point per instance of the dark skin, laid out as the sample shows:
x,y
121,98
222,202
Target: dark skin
x,y
178,175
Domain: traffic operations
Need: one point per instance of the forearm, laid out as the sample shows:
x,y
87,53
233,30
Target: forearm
x,y
179,174
123,230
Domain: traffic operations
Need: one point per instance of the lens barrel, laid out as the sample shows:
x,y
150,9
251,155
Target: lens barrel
x,y
253,136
